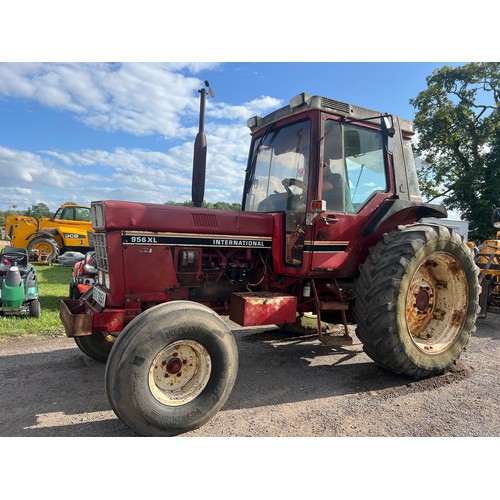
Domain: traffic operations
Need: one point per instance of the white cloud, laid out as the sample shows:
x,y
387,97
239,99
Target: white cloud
x,y
123,174
140,99
137,98
245,110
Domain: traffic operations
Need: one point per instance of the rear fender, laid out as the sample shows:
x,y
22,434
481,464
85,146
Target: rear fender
x,y
401,212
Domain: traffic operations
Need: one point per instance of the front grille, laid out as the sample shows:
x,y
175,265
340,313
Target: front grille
x,y
101,252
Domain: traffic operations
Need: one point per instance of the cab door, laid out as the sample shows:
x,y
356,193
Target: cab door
x,y
353,180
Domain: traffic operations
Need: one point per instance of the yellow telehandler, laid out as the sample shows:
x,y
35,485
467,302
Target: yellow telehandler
x,y
48,237
489,264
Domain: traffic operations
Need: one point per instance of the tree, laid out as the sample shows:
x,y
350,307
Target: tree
x,y
457,119
221,205
38,210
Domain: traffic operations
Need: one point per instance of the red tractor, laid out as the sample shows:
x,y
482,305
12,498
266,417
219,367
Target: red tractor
x,y
83,276
329,227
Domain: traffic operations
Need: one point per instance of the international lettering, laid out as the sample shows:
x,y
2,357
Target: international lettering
x,y
237,243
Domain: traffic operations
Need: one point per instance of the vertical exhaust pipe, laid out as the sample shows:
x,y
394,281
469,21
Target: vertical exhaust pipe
x,y
200,152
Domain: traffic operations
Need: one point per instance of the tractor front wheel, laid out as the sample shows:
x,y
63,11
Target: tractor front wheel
x,y
417,300
171,369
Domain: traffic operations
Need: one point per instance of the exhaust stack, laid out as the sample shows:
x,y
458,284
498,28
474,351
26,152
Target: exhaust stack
x,y
200,151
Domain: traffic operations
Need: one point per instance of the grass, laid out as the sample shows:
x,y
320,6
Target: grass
x,y
53,285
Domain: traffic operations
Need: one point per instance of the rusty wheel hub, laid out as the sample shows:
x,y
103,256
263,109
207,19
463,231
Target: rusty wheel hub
x,y
435,303
179,372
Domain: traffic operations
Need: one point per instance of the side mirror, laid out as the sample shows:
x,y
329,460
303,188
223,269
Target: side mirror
x,y
389,131
389,125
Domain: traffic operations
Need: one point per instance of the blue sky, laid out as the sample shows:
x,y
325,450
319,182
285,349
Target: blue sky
x,y
87,131
96,130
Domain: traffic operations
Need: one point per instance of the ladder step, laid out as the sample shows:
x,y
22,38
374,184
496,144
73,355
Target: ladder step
x,y
335,340
333,306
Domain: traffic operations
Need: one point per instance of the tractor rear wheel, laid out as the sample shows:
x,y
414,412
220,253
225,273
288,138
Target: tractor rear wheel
x,y
96,346
171,369
46,248
417,300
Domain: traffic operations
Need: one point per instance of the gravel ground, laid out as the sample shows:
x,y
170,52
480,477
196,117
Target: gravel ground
x,y
286,388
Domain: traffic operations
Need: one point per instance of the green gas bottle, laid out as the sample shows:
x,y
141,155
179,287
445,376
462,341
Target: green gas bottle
x,y
13,289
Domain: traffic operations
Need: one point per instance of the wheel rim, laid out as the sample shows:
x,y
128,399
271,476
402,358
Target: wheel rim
x,y
43,248
436,303
179,372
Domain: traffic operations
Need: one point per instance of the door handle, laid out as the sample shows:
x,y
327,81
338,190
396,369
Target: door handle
x,y
329,220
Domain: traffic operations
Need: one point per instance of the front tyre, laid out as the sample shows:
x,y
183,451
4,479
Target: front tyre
x,y
417,300
171,369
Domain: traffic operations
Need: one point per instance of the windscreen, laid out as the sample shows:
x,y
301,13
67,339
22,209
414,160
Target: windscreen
x,y
278,169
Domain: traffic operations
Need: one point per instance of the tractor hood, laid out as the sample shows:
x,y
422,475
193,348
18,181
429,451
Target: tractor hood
x,y
130,216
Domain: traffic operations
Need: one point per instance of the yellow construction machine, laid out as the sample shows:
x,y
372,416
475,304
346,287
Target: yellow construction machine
x,y
489,277
48,237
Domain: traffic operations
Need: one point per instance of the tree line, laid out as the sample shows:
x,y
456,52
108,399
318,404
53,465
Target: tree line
x,y
38,210
221,205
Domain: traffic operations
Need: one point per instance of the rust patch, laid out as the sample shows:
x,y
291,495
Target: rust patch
x,y
457,318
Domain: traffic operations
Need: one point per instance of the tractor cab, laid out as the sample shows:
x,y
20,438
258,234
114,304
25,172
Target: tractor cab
x,y
328,166
73,213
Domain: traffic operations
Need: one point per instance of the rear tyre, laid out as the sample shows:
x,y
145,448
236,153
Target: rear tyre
x,y
417,300
171,369
96,346
44,246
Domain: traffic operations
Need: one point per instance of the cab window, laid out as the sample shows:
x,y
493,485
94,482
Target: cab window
x,y
353,166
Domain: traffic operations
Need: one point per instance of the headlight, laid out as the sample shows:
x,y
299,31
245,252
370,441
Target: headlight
x,y
106,281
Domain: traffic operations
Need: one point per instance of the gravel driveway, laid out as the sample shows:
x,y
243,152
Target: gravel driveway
x,y
285,387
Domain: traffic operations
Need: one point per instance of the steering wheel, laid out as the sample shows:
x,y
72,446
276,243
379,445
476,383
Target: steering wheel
x,y
293,182
295,199
13,256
